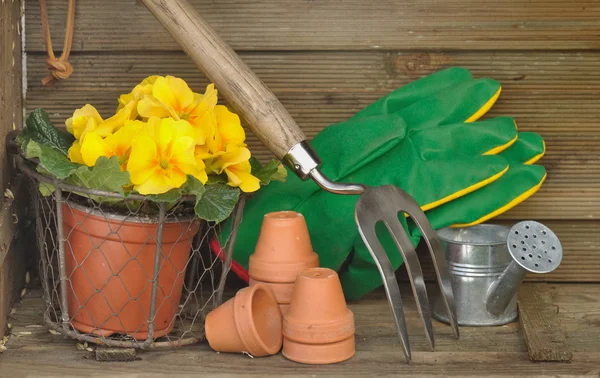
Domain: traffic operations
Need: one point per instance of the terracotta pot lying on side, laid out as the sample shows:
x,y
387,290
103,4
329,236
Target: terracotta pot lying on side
x,y
250,322
110,265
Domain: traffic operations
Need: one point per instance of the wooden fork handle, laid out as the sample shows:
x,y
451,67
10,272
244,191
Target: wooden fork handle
x,y
244,91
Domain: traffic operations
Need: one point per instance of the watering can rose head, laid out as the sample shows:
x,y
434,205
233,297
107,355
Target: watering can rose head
x,y
164,141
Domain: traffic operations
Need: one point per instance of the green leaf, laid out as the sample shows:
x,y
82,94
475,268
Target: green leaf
x,y
193,186
51,160
217,202
105,175
46,189
273,170
172,195
216,179
39,128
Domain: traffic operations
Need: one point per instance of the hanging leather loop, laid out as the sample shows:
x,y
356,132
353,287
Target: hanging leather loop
x,y
59,67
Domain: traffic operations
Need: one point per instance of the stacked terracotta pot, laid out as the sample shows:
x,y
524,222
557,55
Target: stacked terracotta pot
x,y
316,326
283,250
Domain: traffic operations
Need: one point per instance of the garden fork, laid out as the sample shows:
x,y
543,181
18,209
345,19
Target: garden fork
x,y
273,125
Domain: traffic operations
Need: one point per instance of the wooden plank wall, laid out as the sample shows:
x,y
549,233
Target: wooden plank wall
x,y
12,255
326,59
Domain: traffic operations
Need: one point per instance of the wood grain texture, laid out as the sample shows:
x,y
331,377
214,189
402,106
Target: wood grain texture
x,y
481,351
117,25
269,121
12,261
555,94
541,326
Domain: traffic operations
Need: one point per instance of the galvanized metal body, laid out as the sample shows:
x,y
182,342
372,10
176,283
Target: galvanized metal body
x,y
488,263
476,257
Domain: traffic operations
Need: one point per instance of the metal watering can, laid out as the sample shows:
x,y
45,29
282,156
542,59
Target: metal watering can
x,y
487,264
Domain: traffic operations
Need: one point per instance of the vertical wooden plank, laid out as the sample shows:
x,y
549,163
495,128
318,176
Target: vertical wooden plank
x,y
11,261
540,324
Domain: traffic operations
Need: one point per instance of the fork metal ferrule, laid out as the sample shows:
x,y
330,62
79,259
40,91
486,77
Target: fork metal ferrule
x,y
304,161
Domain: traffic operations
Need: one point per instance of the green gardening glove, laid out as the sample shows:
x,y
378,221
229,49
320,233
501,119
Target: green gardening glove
x,y
522,180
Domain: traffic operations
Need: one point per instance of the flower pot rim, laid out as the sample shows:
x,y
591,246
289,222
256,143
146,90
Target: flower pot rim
x,y
109,215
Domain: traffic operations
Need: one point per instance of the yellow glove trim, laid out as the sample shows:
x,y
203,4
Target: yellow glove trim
x,y
504,208
464,191
497,150
485,108
537,157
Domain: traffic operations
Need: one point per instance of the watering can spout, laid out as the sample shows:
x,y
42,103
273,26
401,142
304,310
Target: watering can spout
x,y
504,288
533,248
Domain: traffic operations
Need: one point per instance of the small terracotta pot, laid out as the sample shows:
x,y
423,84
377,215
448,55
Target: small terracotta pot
x,y
110,263
318,327
281,291
283,249
249,322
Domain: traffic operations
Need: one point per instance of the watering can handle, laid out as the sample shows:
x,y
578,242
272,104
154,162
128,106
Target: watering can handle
x,y
243,90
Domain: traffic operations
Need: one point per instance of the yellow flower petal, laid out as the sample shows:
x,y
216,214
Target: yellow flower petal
x,y
143,159
83,118
114,123
233,155
75,153
173,92
156,184
148,107
92,147
246,182
229,126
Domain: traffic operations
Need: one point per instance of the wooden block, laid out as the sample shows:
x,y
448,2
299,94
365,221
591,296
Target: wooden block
x,y
541,326
116,354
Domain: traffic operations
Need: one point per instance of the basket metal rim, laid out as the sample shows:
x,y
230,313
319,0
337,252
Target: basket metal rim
x,y
129,218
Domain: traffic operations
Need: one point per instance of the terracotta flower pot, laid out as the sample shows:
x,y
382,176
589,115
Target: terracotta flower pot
x,y
281,291
110,265
283,249
249,322
318,327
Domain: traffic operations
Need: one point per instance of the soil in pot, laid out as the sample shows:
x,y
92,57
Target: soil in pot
x,y
110,266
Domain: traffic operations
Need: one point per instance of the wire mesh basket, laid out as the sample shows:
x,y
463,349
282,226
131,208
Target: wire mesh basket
x,y
120,277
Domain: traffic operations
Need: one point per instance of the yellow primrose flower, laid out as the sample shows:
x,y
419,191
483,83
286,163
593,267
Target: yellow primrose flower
x,y
235,163
118,144
162,157
228,130
87,119
171,97
83,119
138,92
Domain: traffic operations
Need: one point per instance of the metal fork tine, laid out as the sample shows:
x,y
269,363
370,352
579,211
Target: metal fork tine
x,y
415,273
439,262
366,228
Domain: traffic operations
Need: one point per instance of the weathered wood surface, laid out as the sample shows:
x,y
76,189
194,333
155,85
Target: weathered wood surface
x,y
555,94
113,25
11,260
541,326
482,351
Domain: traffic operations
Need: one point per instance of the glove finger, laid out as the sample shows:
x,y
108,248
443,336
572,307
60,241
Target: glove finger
x,y
528,149
464,102
414,91
432,182
487,137
519,183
